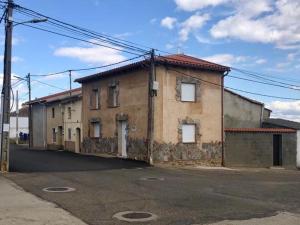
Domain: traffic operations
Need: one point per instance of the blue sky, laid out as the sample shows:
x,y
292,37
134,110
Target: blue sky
x,y
260,35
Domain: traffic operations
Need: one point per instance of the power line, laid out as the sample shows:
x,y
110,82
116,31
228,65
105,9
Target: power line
x,y
50,85
83,31
248,92
78,39
266,83
89,68
253,74
264,75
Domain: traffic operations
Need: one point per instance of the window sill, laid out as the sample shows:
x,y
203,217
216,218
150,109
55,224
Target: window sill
x,y
110,106
189,142
188,101
93,109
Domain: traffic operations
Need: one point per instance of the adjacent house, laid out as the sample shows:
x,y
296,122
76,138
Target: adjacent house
x,y
50,118
186,110
253,139
72,122
243,112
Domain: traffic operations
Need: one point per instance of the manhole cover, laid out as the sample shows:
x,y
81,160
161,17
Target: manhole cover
x,y
58,189
153,178
135,216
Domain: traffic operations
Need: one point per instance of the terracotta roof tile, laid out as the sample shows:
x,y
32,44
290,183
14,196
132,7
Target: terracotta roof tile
x,y
260,130
176,60
55,96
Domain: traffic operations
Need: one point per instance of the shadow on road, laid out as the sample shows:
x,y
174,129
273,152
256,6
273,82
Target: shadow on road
x,y
25,160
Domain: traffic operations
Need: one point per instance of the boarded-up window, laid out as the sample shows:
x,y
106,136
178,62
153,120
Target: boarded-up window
x,y
188,92
96,129
53,135
95,99
53,112
113,94
188,133
69,112
69,134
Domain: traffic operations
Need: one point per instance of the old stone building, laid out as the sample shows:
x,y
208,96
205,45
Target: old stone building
x,y
49,121
187,110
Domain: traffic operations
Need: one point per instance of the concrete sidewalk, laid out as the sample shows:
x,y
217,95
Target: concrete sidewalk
x,y
18,207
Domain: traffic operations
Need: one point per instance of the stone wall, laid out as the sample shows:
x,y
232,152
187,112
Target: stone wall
x,y
255,149
207,153
136,148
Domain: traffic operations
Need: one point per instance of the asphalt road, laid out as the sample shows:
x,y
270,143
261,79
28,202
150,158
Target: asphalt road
x,y
181,197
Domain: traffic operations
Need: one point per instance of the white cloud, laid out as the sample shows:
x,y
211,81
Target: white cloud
x,y
261,61
282,65
264,22
168,22
192,5
193,23
225,59
285,109
91,54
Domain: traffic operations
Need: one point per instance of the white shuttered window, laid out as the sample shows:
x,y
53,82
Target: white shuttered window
x,y
188,92
188,133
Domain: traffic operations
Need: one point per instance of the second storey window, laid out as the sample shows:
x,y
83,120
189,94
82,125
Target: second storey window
x,y
53,112
188,133
95,99
188,92
69,112
113,94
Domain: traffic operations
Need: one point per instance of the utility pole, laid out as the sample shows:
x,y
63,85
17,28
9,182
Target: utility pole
x,y
29,109
152,93
17,117
70,81
6,88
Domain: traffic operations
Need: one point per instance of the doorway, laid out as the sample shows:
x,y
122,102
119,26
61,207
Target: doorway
x,y
122,138
60,136
277,150
78,140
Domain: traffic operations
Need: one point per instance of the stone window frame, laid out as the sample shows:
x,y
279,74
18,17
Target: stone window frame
x,y
187,80
113,84
91,129
189,121
93,97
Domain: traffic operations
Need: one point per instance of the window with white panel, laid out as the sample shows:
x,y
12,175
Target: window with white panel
x,y
188,92
188,133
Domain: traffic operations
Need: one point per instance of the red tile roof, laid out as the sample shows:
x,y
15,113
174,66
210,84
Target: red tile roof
x,y
260,130
175,60
186,60
55,96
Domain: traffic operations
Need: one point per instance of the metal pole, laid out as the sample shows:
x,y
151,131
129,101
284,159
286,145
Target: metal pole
x,y
17,117
29,111
151,108
6,89
70,80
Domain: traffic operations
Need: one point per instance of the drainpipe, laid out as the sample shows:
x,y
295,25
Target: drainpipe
x,y
222,118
